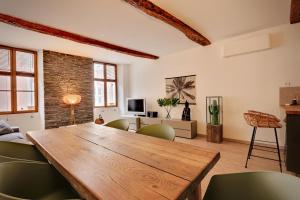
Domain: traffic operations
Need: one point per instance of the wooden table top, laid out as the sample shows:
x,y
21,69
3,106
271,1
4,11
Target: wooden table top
x,y
106,163
293,110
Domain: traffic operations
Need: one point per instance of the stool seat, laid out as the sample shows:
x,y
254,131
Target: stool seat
x,y
262,120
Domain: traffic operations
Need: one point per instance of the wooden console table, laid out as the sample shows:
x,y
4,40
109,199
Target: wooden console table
x,y
185,129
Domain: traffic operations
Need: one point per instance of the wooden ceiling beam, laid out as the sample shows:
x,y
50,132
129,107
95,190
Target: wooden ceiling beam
x,y
157,12
70,36
295,11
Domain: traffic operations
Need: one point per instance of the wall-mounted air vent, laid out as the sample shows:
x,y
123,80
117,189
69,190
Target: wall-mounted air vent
x,y
247,45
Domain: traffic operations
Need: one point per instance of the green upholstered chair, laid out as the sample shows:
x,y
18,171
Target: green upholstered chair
x,y
9,159
23,180
158,130
20,151
121,124
253,186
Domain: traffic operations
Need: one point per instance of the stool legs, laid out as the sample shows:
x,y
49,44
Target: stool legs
x,y
278,150
251,145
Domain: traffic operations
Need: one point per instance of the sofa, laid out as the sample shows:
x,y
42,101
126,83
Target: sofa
x,y
15,135
11,133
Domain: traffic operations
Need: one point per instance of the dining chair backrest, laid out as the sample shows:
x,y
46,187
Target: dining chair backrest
x,y
253,186
20,151
158,130
121,124
23,180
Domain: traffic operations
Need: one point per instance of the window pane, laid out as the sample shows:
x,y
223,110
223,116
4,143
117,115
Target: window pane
x,y
25,101
4,60
5,101
5,83
25,61
111,94
5,94
110,72
98,70
99,93
25,83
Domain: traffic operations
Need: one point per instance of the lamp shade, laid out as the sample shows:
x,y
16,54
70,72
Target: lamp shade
x,y
72,99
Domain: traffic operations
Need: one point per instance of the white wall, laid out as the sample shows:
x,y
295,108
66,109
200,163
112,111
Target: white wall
x,y
31,121
249,81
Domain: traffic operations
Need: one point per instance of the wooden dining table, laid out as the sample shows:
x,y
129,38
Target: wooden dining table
x,y
107,163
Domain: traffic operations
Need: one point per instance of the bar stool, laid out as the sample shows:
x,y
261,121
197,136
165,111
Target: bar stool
x,y
262,120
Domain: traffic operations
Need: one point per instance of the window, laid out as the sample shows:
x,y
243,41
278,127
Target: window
x,y
18,80
105,84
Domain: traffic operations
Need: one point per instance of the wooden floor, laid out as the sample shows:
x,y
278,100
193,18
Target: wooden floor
x,y
233,157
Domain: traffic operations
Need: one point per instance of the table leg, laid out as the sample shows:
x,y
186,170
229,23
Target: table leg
x,y
196,194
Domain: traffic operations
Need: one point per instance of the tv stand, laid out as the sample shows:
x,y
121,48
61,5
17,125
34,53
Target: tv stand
x,y
185,129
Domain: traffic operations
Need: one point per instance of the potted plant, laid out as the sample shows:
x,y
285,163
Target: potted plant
x,y
214,119
214,111
168,104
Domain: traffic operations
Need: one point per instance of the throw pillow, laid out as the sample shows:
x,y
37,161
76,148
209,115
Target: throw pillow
x,y
5,128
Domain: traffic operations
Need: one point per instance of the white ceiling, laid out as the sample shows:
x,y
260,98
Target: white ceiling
x,y
117,22
220,19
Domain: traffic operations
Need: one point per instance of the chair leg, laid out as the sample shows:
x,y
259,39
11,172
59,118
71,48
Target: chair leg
x,y
251,146
278,150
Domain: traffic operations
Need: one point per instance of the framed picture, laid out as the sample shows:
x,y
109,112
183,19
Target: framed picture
x,y
182,87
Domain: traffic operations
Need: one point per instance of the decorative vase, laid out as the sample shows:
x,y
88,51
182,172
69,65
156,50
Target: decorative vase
x,y
168,114
99,120
168,104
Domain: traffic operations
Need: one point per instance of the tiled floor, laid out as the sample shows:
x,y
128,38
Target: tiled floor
x,y
233,157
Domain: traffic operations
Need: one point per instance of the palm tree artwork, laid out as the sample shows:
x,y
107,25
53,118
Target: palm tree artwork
x,y
183,88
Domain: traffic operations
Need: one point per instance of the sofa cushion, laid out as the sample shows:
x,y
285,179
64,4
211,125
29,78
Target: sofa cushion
x,y
11,137
5,128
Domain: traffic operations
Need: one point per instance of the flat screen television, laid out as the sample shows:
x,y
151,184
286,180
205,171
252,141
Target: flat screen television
x,y
136,106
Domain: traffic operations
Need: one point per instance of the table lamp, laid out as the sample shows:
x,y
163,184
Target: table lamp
x,y
72,100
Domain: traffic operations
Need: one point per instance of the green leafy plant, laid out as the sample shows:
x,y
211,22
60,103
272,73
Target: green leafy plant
x,y
168,104
214,111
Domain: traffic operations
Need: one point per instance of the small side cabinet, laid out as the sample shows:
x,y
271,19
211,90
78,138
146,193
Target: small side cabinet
x,y
185,129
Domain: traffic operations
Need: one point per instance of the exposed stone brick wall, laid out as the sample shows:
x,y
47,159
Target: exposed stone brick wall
x,y
64,74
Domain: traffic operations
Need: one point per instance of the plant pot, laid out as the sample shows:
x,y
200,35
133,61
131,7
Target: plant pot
x,y
214,133
99,121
